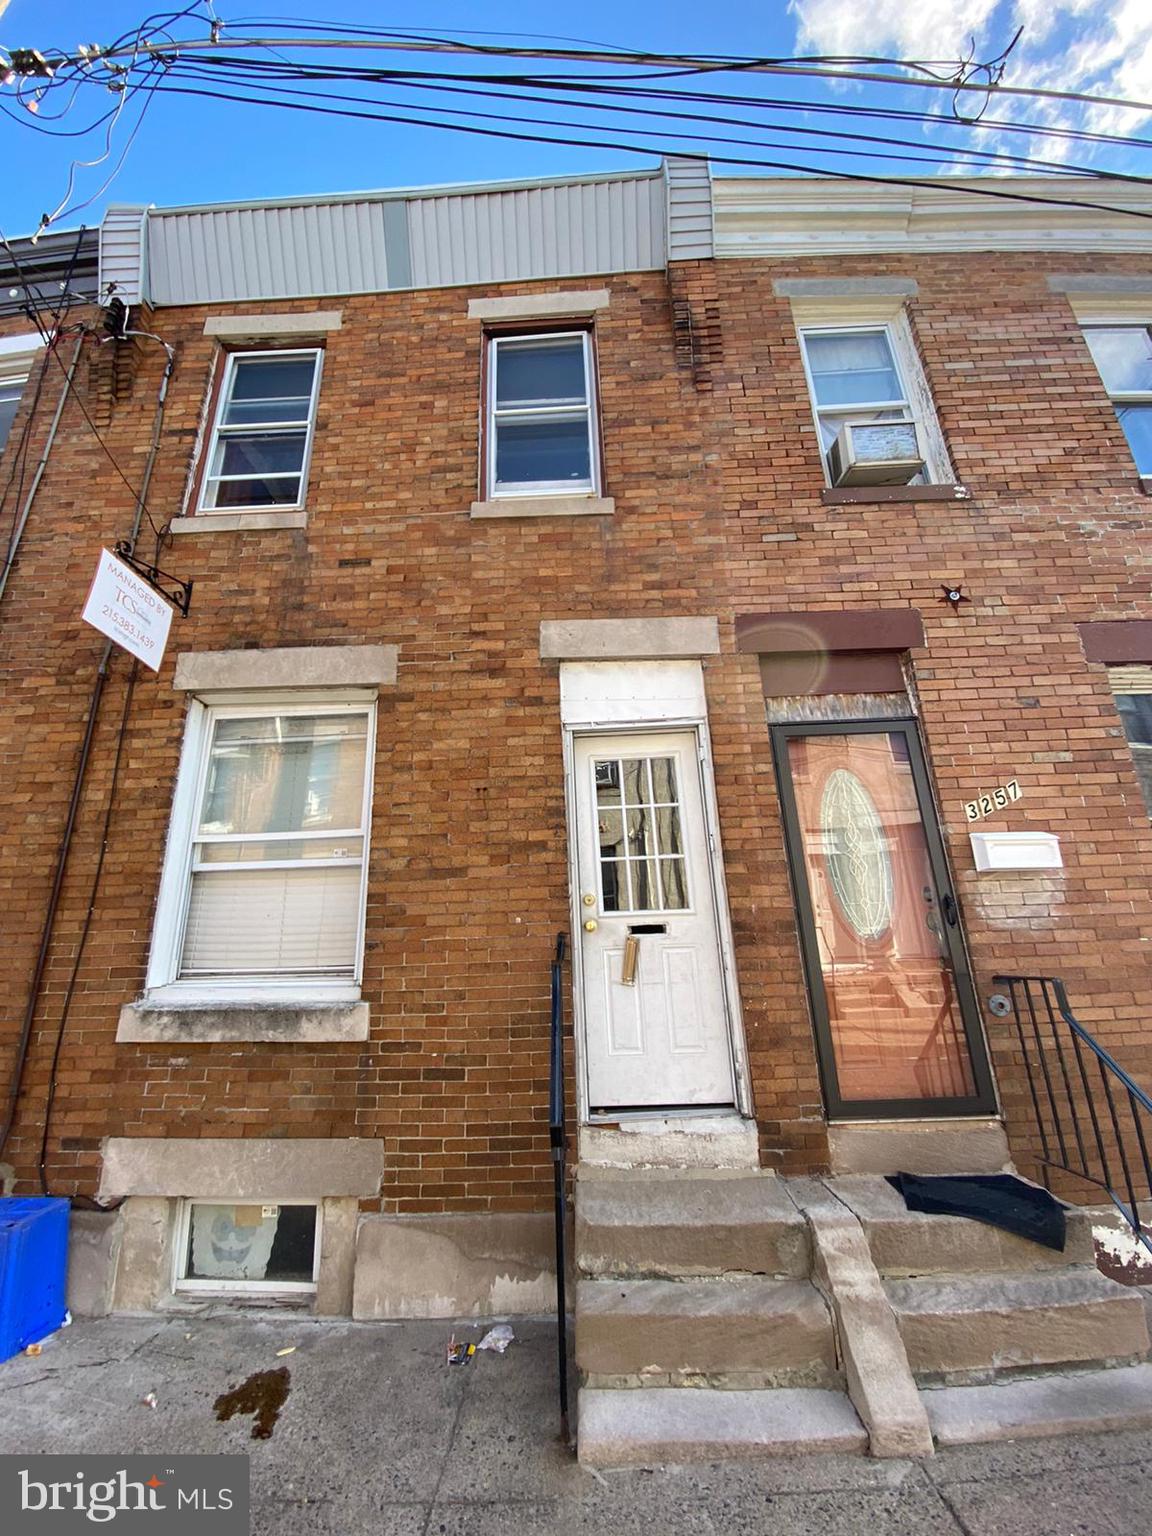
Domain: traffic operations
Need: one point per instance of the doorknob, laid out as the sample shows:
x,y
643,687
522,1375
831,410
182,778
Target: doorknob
x,y
590,925
589,899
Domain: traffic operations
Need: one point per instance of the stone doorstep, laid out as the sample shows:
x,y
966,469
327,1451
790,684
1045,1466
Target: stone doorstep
x,y
1080,1402
906,1243
673,1141
704,1328
629,1429
977,1323
659,1222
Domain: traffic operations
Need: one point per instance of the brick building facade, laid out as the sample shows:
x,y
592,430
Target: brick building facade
x,y
700,587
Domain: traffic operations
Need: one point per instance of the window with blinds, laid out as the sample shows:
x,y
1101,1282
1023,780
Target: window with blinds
x,y
1132,687
276,849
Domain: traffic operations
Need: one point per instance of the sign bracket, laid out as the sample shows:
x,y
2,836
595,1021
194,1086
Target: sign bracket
x,y
178,593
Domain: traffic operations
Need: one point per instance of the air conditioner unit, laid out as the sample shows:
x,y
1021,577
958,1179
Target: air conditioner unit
x,y
876,453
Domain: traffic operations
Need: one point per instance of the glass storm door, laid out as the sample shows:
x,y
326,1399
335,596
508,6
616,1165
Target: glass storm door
x,y
655,1013
892,1000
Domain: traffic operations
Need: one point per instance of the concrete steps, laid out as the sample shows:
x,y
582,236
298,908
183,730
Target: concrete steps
x,y
1079,1402
664,1223
955,1325
906,1243
743,1331
628,1429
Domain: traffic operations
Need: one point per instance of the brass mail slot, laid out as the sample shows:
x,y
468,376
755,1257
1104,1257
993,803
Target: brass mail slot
x,y
631,959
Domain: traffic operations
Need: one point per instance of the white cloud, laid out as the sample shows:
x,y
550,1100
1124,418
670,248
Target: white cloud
x,y
1099,47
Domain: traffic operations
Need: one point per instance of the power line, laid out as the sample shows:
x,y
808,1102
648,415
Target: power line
x,y
614,144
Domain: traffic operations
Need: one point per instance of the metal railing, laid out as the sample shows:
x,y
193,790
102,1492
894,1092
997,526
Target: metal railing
x,y
558,1135
1093,1120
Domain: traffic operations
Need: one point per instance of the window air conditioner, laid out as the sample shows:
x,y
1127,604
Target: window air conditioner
x,y
876,453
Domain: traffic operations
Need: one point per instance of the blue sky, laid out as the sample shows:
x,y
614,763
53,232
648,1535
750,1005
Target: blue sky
x,y
193,150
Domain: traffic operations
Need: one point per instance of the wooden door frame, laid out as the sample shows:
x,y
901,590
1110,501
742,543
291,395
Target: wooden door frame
x,y
983,1101
737,1047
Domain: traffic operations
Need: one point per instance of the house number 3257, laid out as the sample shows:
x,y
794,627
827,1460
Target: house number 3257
x,y
995,800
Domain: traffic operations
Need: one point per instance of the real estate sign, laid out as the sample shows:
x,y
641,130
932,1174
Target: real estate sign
x,y
128,610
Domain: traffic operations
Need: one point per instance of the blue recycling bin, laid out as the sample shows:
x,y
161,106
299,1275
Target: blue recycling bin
x,y
33,1270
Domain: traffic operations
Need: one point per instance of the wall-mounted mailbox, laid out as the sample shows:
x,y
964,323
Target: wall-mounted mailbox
x,y
1016,850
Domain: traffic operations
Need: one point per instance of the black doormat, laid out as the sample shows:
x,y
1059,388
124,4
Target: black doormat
x,y
996,1199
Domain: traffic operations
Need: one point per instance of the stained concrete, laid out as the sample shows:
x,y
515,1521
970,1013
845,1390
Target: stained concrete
x,y
380,1438
94,1239
279,1023
248,1168
628,639
485,1264
301,666
706,1141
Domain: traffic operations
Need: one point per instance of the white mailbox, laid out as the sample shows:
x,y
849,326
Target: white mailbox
x,y
1016,850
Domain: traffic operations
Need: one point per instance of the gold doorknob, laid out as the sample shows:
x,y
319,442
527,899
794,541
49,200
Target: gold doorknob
x,y
589,899
590,925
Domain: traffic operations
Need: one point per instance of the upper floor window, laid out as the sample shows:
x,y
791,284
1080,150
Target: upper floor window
x,y
1123,354
264,879
262,433
16,358
541,436
856,382
1132,687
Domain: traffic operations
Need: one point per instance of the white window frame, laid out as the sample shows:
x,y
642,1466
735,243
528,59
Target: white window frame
x,y
1124,396
183,1231
17,358
591,409
163,981
916,402
221,431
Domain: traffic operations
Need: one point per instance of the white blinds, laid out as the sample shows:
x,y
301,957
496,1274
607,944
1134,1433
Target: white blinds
x,y
1132,679
267,922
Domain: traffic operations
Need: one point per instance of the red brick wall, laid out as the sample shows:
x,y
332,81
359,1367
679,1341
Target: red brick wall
x,y
718,510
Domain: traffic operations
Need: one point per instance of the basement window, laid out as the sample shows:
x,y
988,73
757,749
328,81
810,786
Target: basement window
x,y
262,434
261,1247
541,435
1123,354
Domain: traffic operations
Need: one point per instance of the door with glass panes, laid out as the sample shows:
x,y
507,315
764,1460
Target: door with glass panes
x,y
655,1015
895,1013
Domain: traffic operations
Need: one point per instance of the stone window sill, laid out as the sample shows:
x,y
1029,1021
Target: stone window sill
x,y
278,1023
865,495
238,522
545,506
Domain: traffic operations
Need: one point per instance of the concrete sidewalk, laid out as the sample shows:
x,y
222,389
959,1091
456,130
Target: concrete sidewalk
x,y
379,1436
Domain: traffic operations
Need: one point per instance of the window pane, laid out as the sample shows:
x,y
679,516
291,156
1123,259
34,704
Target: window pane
x,y
614,885
254,493
1136,713
543,452
268,922
280,849
663,780
9,401
675,884
269,389
240,1242
607,782
1137,423
261,453
285,773
1123,355
611,826
545,370
852,368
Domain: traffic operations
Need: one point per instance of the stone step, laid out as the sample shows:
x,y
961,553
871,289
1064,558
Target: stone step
x,y
629,1429
652,1222
905,1242
740,1332
961,1325
1075,1403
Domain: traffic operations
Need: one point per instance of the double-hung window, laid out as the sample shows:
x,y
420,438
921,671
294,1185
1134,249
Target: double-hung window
x,y
1123,354
262,433
1132,687
11,388
264,879
17,354
541,436
854,378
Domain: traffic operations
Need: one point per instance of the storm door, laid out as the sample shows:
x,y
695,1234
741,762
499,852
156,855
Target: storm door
x,y
892,999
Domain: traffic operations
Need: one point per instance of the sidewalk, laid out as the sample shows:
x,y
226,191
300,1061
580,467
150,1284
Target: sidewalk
x,y
379,1436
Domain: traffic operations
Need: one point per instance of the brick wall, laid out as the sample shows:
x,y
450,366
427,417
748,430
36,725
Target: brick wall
x,y
717,483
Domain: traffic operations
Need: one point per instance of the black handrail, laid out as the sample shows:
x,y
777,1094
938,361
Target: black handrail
x,y
558,1135
1072,1115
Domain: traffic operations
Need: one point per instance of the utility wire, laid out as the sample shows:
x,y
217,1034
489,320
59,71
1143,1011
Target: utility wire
x,y
615,144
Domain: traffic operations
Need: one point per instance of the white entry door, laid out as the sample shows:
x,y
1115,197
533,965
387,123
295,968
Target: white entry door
x,y
655,1019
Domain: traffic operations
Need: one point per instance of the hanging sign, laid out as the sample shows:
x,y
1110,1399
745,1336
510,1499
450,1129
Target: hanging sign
x,y
995,800
128,610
